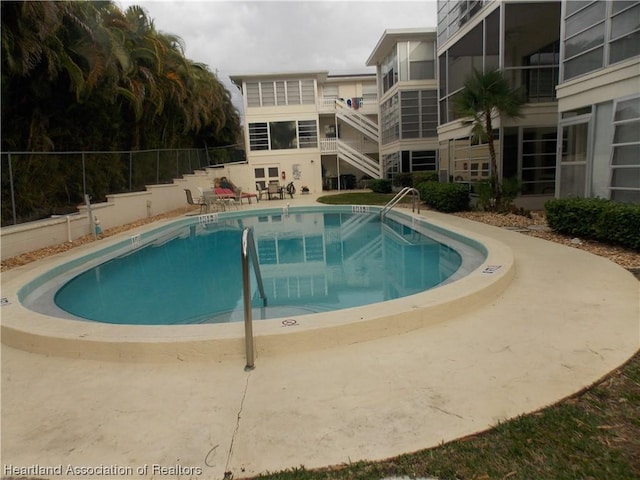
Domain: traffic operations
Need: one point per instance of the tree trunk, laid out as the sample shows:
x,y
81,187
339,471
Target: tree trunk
x,y
494,177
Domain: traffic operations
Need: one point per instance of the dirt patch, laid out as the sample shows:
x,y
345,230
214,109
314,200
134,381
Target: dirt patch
x,y
29,257
536,226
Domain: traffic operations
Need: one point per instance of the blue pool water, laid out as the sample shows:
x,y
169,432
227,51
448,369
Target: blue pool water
x,y
310,262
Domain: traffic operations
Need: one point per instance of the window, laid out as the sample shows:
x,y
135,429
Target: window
x,y
391,164
370,94
452,15
308,94
268,94
308,134
585,18
293,92
258,136
330,91
538,161
584,40
423,160
283,135
625,31
471,159
272,173
625,152
585,46
429,113
253,94
390,70
390,120
421,61
542,78
281,93
410,114
573,159
419,113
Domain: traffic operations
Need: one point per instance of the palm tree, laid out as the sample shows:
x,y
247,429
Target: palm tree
x,y
487,96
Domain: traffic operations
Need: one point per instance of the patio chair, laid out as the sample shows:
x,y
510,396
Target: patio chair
x,y
260,189
274,189
200,203
227,197
212,200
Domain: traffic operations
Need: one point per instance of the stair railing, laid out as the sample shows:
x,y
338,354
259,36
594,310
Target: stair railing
x,y
248,250
415,200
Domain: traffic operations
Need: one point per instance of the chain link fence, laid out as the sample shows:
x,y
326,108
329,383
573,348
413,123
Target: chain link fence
x,y
37,185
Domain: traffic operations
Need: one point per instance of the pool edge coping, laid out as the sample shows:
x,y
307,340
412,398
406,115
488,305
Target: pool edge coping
x,y
34,332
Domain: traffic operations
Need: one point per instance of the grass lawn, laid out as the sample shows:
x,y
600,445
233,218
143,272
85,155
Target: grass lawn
x,y
594,434
358,198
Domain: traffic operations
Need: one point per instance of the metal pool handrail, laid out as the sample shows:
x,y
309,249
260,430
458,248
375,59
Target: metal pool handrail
x,y
399,196
248,249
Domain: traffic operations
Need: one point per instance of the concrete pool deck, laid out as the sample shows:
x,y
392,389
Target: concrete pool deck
x,y
566,319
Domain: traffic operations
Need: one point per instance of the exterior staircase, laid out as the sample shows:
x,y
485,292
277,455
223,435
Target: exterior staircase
x,y
350,153
357,120
358,159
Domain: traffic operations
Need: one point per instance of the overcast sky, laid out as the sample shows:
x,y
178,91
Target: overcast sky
x,y
240,37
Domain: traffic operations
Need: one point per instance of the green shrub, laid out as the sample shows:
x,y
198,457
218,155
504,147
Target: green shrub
x,y
403,180
485,190
415,178
597,219
380,185
510,190
445,197
421,177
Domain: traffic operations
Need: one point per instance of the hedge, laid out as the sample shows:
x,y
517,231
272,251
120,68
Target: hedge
x,y
445,197
414,178
380,185
597,219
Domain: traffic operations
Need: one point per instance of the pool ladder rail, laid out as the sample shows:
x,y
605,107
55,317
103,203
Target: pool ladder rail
x,y
415,200
248,250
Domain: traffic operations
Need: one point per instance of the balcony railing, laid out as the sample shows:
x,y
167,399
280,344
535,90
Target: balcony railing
x,y
539,83
330,145
361,104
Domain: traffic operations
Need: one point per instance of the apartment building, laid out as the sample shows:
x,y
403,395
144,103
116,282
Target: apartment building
x,y
522,39
579,65
599,101
317,130
405,62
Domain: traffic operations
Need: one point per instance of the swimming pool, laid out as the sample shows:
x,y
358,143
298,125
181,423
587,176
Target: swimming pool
x,y
38,324
309,262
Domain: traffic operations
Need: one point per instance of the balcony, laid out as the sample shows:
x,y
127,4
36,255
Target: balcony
x,y
366,106
539,83
330,145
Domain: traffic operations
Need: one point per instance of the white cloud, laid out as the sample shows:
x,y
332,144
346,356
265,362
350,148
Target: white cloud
x,y
238,37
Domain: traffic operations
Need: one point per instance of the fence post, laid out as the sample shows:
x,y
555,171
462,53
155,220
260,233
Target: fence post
x,y
177,164
157,167
13,194
130,168
92,225
84,177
